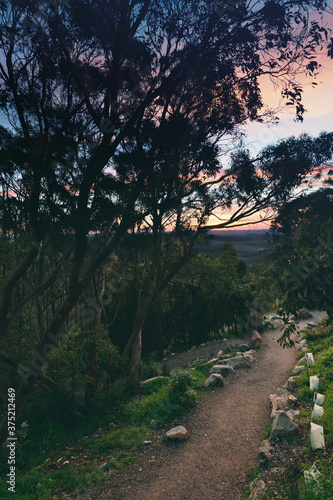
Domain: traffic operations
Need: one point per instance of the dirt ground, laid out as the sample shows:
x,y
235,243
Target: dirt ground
x,y
225,432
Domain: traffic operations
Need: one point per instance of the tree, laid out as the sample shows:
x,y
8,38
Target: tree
x,y
81,81
181,204
303,254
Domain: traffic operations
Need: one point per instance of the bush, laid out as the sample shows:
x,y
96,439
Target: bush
x,y
180,383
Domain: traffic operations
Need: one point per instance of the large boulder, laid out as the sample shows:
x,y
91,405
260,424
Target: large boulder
x,y
284,403
178,433
283,426
255,341
236,363
214,379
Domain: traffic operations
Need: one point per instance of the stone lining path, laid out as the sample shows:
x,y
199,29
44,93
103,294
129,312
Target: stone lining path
x,y
225,433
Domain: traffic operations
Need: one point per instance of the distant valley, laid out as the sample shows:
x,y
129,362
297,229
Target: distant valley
x,y
250,244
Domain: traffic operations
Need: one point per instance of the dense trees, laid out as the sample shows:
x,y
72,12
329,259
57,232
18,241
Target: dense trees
x,y
85,85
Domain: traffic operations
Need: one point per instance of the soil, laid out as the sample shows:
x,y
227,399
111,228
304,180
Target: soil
x,y
225,433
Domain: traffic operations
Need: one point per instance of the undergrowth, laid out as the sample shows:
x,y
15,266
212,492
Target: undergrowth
x,y
55,455
294,486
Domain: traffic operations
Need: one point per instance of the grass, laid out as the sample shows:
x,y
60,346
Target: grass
x,y
108,438
268,430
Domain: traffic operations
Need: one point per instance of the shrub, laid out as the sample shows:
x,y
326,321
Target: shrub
x,y
180,383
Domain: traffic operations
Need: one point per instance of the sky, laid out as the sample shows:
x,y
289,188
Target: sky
x,y
318,102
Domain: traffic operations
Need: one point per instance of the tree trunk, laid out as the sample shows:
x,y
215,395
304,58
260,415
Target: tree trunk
x,y
133,369
134,344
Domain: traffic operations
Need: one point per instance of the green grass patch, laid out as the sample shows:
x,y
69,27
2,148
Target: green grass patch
x,y
268,430
128,438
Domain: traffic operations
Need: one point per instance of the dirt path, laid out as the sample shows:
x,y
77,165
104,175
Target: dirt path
x,y
225,429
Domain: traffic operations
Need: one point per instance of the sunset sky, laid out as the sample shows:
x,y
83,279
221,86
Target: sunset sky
x,y
317,100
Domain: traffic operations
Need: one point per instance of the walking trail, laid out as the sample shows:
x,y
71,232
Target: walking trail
x,y
225,433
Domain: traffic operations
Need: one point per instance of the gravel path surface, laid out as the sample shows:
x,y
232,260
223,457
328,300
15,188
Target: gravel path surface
x,y
225,432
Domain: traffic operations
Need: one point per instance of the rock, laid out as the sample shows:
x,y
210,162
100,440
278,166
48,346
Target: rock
x,y
298,370
225,356
255,341
311,324
292,414
284,403
224,370
147,442
304,314
257,488
237,362
264,454
214,379
243,348
220,353
292,401
277,323
146,382
281,391
213,360
283,426
178,433
248,358
302,344
291,384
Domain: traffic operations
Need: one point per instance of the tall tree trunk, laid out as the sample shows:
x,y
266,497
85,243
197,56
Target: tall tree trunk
x,y
134,345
